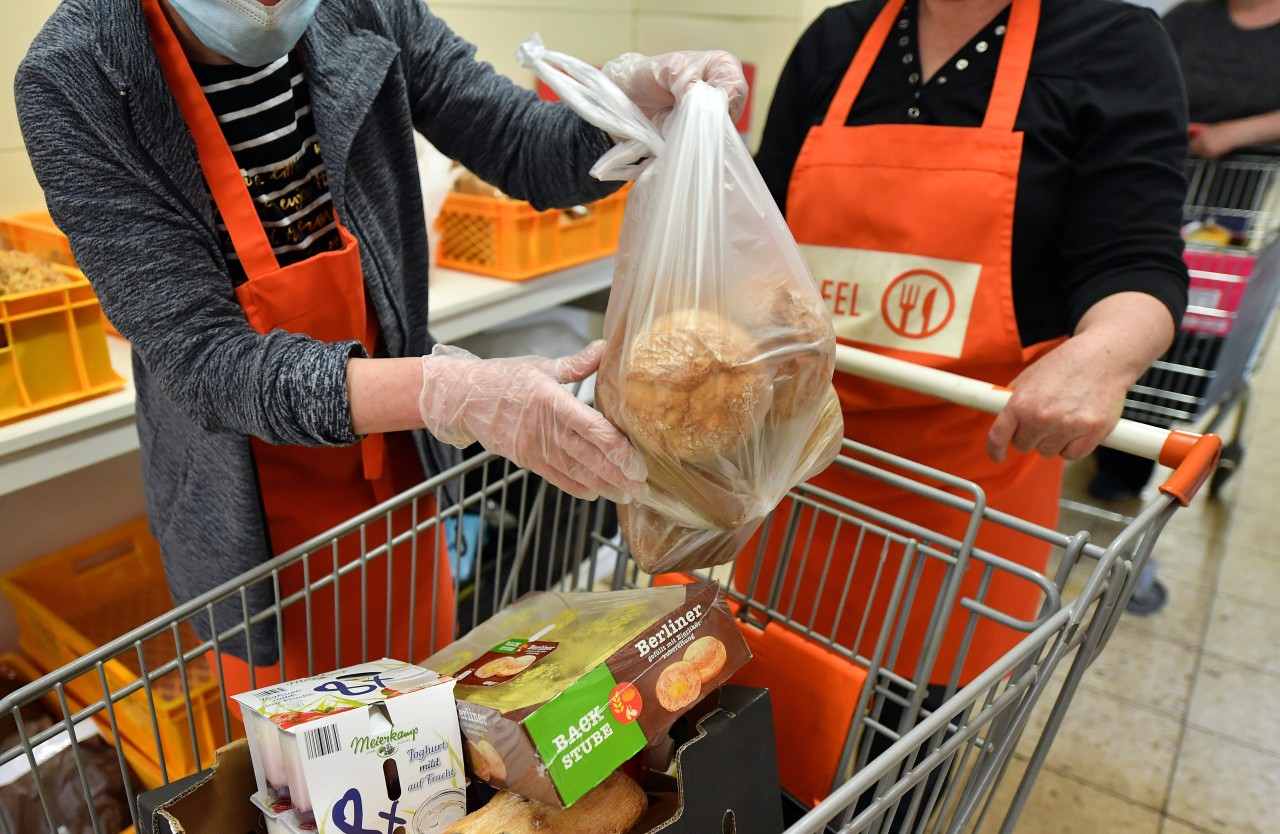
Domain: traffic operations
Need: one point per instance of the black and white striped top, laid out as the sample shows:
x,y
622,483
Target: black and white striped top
x,y
265,113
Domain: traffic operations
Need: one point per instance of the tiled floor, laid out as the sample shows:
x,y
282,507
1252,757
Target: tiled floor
x,y
1176,728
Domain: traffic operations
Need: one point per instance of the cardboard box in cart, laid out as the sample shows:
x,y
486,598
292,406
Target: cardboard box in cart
x,y
362,747
726,781
725,778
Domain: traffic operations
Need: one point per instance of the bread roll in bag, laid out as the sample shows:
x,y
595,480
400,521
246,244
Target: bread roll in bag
x,y
720,350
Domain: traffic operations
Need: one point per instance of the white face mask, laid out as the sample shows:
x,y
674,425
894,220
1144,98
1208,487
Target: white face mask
x,y
247,32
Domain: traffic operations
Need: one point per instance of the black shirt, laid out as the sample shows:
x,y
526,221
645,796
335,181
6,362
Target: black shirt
x,y
265,115
1231,73
1101,186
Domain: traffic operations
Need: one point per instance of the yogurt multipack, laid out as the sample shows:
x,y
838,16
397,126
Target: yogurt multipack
x,y
356,749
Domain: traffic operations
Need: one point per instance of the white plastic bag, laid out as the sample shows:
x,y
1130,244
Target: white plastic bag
x,y
720,353
436,175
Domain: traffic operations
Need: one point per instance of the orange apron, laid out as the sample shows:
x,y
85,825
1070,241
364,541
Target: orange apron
x,y
305,490
908,230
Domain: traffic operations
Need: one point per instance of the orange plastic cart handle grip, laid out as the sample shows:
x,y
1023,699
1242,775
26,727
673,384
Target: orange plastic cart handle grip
x,y
1194,457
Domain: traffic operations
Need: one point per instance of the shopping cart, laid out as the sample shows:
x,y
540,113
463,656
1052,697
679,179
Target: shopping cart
x,y
1231,220
1204,376
968,740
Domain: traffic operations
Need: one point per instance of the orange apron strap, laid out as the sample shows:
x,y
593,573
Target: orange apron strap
x,y
373,453
1015,64
218,163
857,73
1011,74
231,195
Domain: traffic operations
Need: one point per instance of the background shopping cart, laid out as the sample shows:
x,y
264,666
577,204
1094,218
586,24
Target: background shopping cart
x,y
1235,285
1231,220
946,766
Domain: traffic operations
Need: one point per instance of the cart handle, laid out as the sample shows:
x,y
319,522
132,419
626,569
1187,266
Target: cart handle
x,y
1193,457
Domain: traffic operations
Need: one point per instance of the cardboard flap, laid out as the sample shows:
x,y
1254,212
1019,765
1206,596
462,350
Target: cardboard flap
x,y
221,805
151,820
728,773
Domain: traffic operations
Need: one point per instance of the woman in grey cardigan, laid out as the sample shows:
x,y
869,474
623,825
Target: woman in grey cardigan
x,y
249,216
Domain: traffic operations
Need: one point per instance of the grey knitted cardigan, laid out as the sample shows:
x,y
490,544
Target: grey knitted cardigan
x,y
121,178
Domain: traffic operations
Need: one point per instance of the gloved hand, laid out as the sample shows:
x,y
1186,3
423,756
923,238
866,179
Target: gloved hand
x,y
654,82
519,408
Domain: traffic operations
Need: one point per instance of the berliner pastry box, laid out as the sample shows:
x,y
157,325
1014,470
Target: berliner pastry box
x,y
723,777
558,690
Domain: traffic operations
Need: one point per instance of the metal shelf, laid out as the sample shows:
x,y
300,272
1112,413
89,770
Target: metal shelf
x,y
41,448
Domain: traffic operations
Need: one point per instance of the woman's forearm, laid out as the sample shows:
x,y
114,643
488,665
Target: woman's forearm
x,y
1260,129
1067,401
1130,331
383,394
1214,140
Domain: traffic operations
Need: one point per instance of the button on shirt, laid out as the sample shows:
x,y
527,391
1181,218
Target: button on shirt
x,y
1101,186
979,53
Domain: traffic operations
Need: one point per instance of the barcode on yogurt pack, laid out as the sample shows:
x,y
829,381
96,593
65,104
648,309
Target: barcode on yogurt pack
x,y
321,742
272,692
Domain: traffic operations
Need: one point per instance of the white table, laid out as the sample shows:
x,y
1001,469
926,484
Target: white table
x,y
41,448
463,305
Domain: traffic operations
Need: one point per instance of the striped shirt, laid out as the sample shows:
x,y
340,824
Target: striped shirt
x,y
265,113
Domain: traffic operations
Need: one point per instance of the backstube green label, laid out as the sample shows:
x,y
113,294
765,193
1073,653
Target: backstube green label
x,y
579,739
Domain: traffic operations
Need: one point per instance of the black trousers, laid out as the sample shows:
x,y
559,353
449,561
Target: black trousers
x,y
891,716
1131,470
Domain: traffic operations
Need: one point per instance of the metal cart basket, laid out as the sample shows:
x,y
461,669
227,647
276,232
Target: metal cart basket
x,y
945,769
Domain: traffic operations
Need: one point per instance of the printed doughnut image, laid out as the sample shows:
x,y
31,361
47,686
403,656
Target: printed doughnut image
x,y
486,762
678,686
516,665
493,667
707,654
479,766
505,666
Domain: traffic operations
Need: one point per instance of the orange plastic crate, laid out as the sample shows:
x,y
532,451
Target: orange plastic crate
x,y
53,349
35,232
74,600
511,239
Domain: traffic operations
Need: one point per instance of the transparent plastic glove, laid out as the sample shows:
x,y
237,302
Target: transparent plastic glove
x,y
654,83
519,408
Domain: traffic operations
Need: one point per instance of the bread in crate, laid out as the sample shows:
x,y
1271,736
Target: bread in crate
x,y
23,272
35,233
